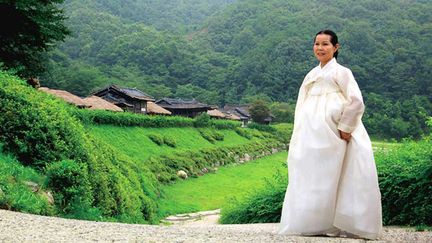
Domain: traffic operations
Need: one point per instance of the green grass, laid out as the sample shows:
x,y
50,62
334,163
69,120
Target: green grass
x,y
379,144
15,195
211,191
134,141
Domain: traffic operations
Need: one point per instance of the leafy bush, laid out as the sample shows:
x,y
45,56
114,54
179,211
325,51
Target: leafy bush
x,y
70,184
156,138
170,141
405,176
203,120
261,127
244,132
131,119
35,126
40,130
263,205
225,124
211,135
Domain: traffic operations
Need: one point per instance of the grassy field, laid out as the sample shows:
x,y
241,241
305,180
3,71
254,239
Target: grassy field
x,y
213,190
134,142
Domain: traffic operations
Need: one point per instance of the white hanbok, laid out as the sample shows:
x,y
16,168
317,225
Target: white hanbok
x,y
333,184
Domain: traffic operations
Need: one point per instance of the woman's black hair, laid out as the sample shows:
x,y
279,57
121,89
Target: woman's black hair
x,y
333,39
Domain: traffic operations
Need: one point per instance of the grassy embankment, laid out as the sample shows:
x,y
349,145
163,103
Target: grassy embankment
x,y
134,141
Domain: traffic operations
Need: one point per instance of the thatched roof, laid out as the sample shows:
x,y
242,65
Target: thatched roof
x,y
216,113
170,103
232,117
153,108
97,103
66,96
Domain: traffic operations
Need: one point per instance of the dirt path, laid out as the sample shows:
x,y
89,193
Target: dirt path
x,y
19,227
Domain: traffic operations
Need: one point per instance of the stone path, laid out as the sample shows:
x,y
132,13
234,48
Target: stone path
x,y
198,218
20,227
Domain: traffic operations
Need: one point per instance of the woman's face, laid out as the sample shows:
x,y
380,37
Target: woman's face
x,y
324,49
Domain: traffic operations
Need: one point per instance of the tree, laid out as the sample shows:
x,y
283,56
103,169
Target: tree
x,y
29,28
259,111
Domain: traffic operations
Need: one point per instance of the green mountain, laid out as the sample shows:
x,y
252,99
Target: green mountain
x,y
235,51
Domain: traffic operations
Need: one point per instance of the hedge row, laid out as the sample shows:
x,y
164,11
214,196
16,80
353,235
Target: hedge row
x,y
41,132
405,179
405,176
132,119
197,163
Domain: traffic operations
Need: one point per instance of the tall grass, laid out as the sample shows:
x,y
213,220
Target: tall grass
x,y
15,194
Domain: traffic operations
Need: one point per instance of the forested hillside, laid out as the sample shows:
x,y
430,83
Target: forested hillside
x,y
236,51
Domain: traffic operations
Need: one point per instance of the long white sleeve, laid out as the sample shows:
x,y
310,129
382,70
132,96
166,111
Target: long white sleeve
x,y
354,108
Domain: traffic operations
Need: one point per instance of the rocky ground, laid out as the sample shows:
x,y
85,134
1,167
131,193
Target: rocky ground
x,y
202,227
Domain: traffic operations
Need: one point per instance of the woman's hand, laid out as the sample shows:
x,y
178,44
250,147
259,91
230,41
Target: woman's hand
x,y
345,136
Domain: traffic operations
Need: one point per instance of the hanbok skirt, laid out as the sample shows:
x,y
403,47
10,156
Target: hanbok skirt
x,y
333,184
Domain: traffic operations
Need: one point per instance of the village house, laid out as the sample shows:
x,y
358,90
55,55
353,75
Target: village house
x,y
129,99
179,107
242,112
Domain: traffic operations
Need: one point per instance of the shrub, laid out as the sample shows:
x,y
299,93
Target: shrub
x,y
211,135
156,138
170,141
218,136
36,127
70,184
225,124
262,205
405,176
261,127
131,119
203,120
244,132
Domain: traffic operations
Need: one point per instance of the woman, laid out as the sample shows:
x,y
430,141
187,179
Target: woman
x,y
333,183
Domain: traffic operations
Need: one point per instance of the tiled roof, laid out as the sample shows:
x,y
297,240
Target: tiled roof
x,y
181,104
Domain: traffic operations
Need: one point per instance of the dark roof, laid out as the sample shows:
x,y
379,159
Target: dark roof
x,y
131,92
241,111
172,103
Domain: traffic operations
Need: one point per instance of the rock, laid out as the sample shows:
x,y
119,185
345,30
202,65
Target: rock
x,y
247,157
182,174
48,195
32,185
204,170
274,150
